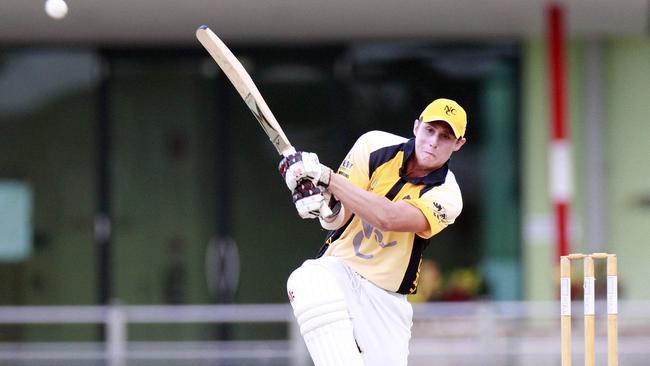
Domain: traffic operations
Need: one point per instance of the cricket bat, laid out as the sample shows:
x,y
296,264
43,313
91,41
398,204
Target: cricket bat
x,y
249,93
245,87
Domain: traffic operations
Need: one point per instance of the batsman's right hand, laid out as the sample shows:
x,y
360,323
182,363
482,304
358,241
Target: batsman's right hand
x,y
309,200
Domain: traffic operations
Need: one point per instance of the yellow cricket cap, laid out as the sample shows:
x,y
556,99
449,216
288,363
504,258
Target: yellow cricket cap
x,y
449,111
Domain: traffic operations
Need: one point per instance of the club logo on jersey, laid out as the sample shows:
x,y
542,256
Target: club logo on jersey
x,y
346,166
450,111
347,163
440,213
368,232
291,296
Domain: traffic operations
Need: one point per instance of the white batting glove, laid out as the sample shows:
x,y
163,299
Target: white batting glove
x,y
304,165
309,207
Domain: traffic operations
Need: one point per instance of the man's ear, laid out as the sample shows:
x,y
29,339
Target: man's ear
x,y
459,143
416,124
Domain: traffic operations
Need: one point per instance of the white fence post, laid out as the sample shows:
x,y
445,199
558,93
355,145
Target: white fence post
x,y
115,334
487,323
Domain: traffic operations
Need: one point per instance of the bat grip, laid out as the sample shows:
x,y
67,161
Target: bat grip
x,y
290,150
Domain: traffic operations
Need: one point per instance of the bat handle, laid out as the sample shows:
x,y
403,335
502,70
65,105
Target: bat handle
x,y
290,150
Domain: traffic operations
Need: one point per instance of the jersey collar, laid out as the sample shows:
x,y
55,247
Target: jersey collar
x,y
435,178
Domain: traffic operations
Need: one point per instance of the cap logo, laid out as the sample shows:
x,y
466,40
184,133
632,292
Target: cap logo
x,y
450,111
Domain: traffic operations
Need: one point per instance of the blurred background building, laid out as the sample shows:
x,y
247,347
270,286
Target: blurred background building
x,y
130,169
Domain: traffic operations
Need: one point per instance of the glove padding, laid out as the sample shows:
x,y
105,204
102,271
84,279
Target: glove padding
x,y
309,200
304,165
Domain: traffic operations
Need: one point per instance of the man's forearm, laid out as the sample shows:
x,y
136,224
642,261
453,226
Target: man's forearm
x,y
374,209
377,210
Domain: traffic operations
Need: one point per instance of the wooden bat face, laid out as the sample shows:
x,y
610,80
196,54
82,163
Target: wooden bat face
x,y
246,88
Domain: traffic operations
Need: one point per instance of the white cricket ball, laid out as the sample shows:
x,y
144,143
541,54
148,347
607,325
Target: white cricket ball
x,y
56,9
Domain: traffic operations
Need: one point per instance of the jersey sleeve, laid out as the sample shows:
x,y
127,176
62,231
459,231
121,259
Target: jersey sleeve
x,y
441,206
355,167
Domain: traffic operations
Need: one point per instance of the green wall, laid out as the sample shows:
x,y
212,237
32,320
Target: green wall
x,y
627,74
161,179
627,176
51,149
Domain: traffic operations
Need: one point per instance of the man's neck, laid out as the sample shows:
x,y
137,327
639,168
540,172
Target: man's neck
x,y
413,170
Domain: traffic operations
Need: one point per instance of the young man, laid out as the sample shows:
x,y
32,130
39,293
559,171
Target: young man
x,y
389,196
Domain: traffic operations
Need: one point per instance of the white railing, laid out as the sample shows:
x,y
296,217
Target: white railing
x,y
472,333
117,348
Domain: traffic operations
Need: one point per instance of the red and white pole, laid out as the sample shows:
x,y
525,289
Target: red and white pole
x,y
560,167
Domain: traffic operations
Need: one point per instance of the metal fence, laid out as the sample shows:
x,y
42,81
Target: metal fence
x,y
444,334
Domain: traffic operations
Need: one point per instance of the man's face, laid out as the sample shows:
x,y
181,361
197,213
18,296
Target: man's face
x,y
434,143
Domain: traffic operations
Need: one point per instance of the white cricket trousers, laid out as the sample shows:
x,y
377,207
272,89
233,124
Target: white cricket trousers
x,y
381,319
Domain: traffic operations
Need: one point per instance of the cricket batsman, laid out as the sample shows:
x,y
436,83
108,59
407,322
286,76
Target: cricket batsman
x,y
389,196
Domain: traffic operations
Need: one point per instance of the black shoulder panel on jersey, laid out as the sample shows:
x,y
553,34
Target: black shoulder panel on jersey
x,y
381,156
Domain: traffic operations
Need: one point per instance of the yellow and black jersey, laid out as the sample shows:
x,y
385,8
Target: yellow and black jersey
x,y
391,260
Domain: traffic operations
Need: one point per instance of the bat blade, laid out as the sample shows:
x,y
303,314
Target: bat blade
x,y
246,88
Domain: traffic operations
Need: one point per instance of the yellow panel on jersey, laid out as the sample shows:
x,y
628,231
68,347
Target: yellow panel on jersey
x,y
391,260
